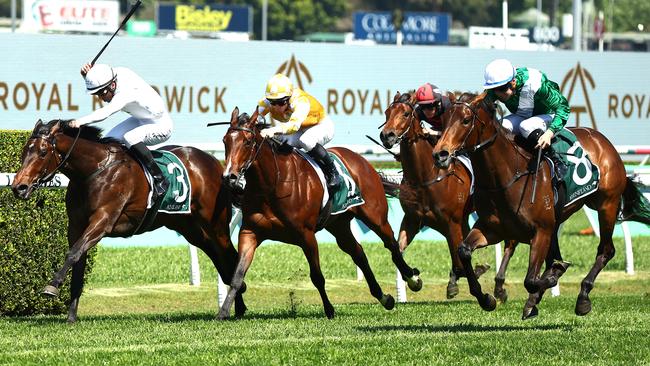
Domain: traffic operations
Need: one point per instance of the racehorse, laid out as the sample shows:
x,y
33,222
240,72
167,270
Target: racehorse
x,y
282,201
437,198
107,197
503,191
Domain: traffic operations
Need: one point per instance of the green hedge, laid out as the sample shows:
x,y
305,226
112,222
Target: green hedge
x,y
33,240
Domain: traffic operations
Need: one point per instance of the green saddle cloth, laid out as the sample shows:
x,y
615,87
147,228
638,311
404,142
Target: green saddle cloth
x,y
347,195
582,176
178,196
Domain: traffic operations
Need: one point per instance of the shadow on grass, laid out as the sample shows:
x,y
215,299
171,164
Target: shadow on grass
x,y
463,328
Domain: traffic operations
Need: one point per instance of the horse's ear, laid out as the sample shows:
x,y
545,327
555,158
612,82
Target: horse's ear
x,y
38,123
396,97
234,115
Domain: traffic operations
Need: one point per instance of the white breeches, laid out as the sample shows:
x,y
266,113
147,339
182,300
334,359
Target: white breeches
x,y
307,138
524,126
151,132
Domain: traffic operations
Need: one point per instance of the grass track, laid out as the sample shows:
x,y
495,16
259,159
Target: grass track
x,y
139,309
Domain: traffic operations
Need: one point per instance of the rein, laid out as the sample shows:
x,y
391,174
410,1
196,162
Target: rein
x,y
479,146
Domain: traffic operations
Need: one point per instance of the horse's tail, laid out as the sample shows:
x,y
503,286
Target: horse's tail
x,y
635,206
391,188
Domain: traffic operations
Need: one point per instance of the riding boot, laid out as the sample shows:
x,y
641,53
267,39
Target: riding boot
x,y
560,167
160,184
320,155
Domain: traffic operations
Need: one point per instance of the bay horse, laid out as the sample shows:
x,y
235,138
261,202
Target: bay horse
x,y
282,201
503,191
431,196
107,197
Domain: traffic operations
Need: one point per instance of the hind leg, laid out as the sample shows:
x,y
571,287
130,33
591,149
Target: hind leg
x,y
499,280
377,221
606,251
310,249
346,241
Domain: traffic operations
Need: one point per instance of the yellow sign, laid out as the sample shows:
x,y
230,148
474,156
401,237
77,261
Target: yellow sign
x,y
189,18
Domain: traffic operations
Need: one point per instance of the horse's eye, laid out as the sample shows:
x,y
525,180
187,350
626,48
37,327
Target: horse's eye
x,y
466,121
406,114
42,153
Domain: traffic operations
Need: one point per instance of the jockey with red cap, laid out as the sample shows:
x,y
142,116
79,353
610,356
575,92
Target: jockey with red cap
x,y
431,103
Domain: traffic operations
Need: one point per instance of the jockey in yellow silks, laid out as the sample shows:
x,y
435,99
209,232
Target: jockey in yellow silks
x,y
299,120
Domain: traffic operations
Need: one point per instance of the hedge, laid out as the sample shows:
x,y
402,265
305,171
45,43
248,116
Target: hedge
x,y
33,241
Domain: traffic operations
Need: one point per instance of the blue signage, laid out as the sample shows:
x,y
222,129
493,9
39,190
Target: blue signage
x,y
205,18
417,27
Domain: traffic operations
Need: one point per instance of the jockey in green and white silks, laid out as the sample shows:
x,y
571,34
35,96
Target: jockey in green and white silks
x,y
538,108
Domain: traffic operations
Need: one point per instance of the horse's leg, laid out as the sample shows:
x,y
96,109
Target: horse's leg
x,y
310,249
606,219
407,231
499,280
346,241
454,237
248,243
535,284
100,223
78,269
381,227
478,236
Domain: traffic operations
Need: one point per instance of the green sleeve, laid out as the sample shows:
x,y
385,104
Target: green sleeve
x,y
554,102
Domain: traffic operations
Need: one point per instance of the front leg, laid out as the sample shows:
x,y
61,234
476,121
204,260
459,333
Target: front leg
x,y
478,236
99,224
248,243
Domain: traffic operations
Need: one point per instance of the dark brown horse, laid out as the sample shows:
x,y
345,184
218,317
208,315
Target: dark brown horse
x,y
107,197
503,191
430,196
282,201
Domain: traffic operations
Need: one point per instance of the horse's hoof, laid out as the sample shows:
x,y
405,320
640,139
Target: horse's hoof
x,y
329,312
501,295
583,306
240,311
480,269
223,314
489,303
452,290
529,312
72,320
415,283
50,291
387,301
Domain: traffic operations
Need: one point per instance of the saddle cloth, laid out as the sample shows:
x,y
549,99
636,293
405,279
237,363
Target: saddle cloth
x,y
178,198
582,176
348,194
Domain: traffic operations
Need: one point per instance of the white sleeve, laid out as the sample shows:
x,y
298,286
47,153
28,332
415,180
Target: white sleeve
x,y
118,102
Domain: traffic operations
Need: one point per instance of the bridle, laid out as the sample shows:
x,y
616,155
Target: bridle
x,y
481,145
256,148
411,117
53,153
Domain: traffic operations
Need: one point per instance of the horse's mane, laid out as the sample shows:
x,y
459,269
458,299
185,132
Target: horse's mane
x,y
408,97
90,133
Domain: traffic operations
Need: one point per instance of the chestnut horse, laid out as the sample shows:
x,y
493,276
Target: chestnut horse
x,y
503,191
107,197
282,201
430,196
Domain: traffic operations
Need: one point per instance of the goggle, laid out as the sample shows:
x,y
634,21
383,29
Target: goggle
x,y
103,91
430,106
278,102
503,88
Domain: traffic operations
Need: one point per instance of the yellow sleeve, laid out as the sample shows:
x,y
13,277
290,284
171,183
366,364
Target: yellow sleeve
x,y
263,107
301,108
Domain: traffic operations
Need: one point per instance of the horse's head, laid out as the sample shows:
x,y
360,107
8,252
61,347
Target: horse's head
x,y
400,119
467,123
242,142
40,158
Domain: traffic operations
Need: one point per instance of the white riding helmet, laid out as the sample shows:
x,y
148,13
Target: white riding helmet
x,y
99,77
278,87
497,73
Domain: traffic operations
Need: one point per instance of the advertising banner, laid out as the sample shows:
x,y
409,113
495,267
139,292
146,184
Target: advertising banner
x,y
417,27
70,15
205,18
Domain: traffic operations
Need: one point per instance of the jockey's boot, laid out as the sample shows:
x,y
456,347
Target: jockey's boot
x,y
560,167
160,184
320,155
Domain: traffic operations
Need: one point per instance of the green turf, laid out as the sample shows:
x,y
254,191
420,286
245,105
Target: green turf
x,y
138,308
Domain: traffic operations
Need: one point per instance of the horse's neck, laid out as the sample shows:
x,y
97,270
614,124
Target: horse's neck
x,y
417,159
85,158
267,168
497,163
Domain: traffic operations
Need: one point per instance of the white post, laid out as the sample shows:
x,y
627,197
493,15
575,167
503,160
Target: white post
x,y
577,25
504,11
195,272
265,7
356,232
498,255
555,290
222,291
629,255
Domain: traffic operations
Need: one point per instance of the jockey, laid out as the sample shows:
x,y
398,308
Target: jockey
x,y
431,103
300,121
538,108
149,124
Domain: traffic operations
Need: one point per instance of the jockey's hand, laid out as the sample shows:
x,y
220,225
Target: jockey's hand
x,y
545,140
431,132
85,68
270,132
73,124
